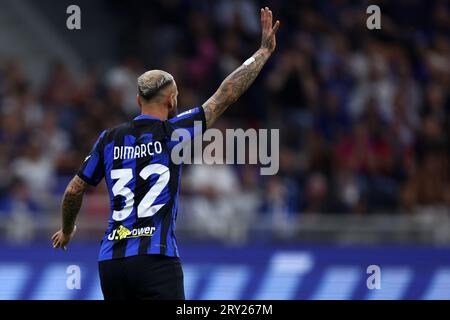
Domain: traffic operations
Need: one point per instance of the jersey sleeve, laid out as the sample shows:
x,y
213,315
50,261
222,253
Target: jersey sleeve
x,y
193,120
92,170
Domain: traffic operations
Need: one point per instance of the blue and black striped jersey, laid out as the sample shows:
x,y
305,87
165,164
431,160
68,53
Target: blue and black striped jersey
x,y
143,183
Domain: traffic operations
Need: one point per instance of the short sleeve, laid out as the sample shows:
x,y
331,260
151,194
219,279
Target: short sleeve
x,y
92,171
193,120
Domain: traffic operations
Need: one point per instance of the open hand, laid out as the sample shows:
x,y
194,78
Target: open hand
x,y
269,30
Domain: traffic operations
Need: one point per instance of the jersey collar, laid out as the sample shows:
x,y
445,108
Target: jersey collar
x,y
143,116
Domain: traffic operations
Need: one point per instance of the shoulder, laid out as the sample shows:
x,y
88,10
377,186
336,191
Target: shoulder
x,y
196,113
111,133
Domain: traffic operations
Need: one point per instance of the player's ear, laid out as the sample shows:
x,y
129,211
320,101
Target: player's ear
x,y
173,101
139,102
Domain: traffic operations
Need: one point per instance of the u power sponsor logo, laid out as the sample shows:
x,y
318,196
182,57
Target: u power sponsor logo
x,y
124,233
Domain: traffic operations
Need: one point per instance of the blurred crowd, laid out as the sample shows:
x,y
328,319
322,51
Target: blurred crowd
x,y
363,114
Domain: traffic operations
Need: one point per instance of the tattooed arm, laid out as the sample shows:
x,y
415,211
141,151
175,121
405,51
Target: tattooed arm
x,y
240,80
71,204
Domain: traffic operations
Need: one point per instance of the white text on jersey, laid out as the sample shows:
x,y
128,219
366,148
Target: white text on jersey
x,y
138,151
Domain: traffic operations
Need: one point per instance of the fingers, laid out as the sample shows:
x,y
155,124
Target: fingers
x,y
269,17
267,20
276,26
263,20
57,241
56,244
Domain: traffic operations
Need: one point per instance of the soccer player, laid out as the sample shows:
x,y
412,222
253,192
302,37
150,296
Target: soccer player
x,y
139,257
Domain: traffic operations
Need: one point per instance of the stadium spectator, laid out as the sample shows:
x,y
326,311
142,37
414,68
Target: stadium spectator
x,y
364,116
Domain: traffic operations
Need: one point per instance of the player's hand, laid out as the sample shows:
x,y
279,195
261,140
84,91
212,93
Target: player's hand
x,y
61,240
269,30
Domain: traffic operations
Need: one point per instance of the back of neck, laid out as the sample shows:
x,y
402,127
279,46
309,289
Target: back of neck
x,y
154,112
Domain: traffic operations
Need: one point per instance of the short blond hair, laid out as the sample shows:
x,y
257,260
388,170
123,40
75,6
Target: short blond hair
x,y
152,82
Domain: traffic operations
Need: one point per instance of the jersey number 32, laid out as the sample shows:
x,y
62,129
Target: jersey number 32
x,y
145,207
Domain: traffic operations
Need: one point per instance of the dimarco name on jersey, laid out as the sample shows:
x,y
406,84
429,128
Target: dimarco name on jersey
x,y
138,151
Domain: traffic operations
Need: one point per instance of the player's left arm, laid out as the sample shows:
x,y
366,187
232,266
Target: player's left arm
x,y
71,204
240,80
91,173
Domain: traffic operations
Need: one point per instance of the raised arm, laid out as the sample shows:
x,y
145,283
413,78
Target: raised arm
x,y
71,204
240,80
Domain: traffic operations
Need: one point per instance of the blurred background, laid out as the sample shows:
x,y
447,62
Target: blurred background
x,y
364,152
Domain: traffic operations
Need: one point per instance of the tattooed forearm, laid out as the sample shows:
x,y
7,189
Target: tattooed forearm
x,y
71,204
234,86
